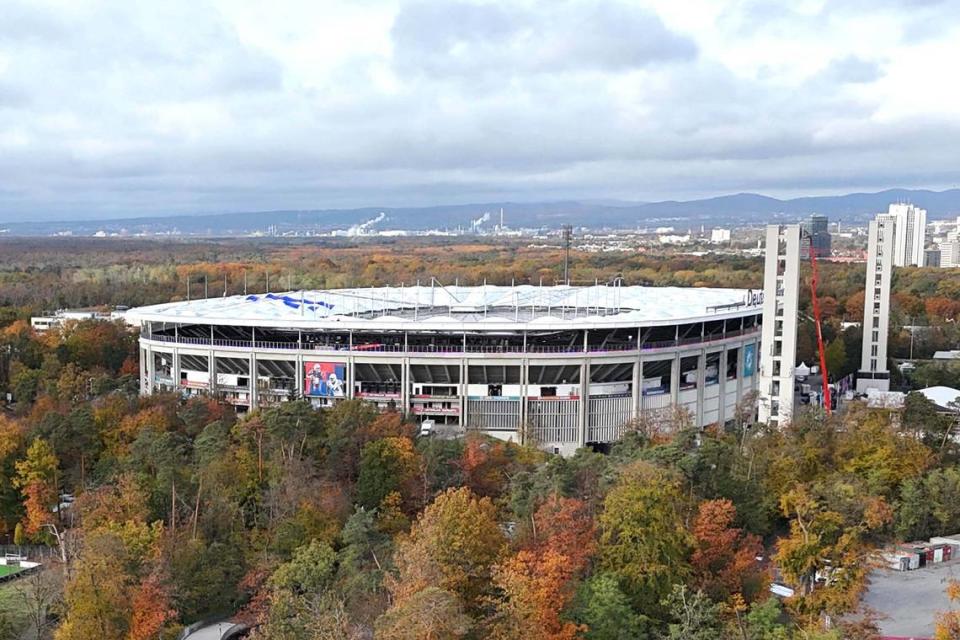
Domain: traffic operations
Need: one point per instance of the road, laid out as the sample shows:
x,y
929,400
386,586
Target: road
x,y
909,601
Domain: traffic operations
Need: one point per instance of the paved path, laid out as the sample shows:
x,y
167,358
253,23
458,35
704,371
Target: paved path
x,y
211,632
910,600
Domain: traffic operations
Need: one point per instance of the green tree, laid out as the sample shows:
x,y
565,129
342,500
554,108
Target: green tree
x,y
836,357
386,465
695,616
763,621
298,594
606,612
643,540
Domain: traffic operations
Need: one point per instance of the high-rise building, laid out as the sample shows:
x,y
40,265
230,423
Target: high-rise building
x,y
883,238
820,240
778,335
932,258
911,222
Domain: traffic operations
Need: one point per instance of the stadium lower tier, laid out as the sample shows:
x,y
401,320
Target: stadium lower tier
x,y
559,401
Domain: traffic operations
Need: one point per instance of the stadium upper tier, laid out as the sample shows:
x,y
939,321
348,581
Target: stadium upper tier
x,y
446,307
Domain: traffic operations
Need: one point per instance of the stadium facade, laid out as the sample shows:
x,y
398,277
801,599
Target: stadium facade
x,y
562,366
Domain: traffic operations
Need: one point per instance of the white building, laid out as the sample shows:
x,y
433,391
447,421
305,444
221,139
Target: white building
x,y
882,242
718,236
778,346
911,230
949,253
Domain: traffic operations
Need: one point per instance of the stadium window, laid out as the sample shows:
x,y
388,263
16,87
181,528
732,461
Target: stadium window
x,y
494,390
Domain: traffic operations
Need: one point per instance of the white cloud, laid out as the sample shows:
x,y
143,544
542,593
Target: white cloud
x,y
118,108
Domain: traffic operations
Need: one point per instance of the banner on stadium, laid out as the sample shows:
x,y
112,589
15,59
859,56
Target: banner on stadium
x,y
749,360
324,379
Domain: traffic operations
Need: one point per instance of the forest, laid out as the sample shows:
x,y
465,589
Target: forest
x,y
155,513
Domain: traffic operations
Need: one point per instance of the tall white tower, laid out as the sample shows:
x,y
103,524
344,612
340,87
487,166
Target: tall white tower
x,y
883,242
778,339
911,234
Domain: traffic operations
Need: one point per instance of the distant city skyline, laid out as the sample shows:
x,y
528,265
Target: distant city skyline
x,y
120,109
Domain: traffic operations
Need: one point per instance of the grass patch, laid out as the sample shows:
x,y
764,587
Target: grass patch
x,y
6,570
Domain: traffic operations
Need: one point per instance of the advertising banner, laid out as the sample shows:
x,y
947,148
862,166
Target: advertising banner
x,y
324,379
749,360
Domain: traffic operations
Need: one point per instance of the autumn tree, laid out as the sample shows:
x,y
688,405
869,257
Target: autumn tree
x,y
387,465
98,595
538,582
37,479
429,614
948,622
832,525
453,546
153,610
724,557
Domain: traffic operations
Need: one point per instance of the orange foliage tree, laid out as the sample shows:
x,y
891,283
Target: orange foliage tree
x,y
538,582
724,557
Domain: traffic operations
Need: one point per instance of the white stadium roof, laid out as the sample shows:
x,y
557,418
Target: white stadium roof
x,y
450,307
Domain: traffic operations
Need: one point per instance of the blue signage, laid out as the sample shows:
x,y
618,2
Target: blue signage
x,y
749,360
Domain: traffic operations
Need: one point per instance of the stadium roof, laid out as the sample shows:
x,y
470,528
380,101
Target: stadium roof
x,y
460,307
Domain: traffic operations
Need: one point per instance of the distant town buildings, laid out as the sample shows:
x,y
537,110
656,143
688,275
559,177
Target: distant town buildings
x,y
931,258
948,247
910,235
42,324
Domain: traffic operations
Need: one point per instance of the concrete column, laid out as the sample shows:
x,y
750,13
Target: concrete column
x,y
142,356
464,401
637,385
212,372
742,346
298,374
351,376
722,379
584,401
524,381
675,380
147,367
175,368
254,392
405,386
701,385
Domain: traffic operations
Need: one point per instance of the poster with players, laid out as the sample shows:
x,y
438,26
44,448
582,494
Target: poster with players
x,y
324,379
749,360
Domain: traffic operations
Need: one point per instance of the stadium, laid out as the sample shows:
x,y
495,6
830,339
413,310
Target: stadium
x,y
562,366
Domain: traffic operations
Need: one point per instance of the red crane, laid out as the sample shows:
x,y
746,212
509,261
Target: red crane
x,y
816,320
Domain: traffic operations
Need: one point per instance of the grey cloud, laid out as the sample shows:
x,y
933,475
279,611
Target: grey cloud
x,y
852,69
464,38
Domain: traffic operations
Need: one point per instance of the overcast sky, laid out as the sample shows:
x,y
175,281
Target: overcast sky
x,y
134,108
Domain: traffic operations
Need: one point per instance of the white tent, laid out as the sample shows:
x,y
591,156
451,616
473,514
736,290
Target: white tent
x,y
941,396
802,370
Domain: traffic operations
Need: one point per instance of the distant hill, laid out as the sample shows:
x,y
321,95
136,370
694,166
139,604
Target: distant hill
x,y
741,208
